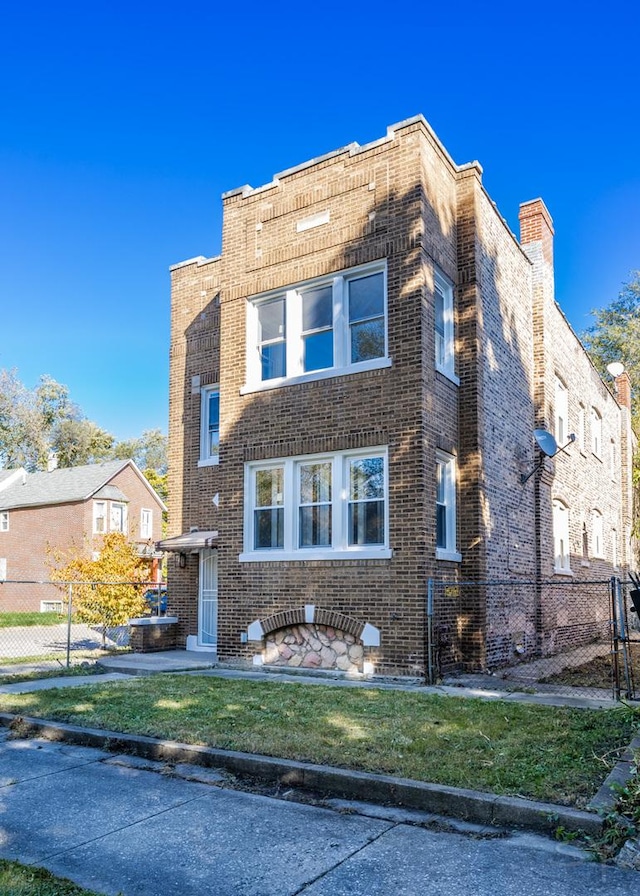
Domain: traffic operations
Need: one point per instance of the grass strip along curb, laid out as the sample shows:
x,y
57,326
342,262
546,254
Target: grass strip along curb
x,y
470,805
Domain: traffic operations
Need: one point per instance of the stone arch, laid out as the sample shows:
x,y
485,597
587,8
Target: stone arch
x,y
311,637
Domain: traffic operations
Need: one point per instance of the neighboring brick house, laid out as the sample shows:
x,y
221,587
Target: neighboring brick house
x,y
73,506
354,387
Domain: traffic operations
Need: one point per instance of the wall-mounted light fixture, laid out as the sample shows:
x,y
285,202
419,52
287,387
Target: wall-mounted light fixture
x,y
182,560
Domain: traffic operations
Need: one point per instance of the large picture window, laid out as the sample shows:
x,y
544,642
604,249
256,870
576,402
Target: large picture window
x,y
317,507
336,324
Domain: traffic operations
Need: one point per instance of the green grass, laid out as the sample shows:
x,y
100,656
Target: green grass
x,y
23,880
12,620
557,754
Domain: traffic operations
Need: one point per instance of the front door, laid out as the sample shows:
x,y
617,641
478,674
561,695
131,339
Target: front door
x,y
208,599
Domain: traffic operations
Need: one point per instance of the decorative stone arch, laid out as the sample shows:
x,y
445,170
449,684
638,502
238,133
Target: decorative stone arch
x,y
311,637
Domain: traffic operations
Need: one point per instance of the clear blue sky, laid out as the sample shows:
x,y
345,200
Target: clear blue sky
x,y
122,123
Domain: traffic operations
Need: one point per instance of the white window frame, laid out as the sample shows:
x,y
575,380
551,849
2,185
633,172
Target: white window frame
x,y
4,521
3,569
123,527
597,535
561,412
561,542
446,498
294,333
581,430
97,515
146,523
596,432
208,457
51,606
444,327
340,548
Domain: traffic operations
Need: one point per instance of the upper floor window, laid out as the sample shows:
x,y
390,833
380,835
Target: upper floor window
x,y
4,521
99,517
118,517
597,534
613,460
333,324
561,537
209,425
596,432
581,429
317,507
562,412
444,329
446,507
146,523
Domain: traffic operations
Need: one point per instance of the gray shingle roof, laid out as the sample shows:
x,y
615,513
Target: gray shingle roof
x,y
60,486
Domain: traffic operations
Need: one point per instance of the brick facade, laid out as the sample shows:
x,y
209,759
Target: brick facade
x,y
403,202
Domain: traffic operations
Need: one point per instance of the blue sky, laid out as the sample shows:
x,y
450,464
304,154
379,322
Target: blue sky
x,y
122,123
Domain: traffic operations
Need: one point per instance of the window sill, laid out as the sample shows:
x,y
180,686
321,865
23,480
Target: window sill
x,y
280,556
563,572
453,556
449,374
210,462
329,373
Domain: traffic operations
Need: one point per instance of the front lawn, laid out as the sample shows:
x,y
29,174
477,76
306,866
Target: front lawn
x,y
24,880
556,754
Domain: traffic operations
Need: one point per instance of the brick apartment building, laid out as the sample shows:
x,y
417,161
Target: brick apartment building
x,y
63,508
355,383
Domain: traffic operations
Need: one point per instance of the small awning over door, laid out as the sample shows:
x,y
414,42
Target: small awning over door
x,y
189,541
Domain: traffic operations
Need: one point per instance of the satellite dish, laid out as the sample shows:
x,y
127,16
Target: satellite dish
x,y
546,442
616,368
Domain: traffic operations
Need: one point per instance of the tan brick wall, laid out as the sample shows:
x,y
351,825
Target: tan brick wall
x,y
400,199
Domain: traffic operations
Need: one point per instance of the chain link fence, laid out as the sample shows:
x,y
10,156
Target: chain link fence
x,y
566,637
48,625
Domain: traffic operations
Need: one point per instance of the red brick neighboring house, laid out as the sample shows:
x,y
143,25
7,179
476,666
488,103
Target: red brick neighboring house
x,y
67,506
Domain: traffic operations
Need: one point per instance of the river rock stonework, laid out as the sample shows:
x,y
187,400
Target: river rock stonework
x,y
310,646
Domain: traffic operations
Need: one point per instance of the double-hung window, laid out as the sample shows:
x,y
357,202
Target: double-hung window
x,y
446,548
326,327
562,553
562,412
99,517
597,534
146,523
209,425
596,432
118,517
317,507
444,329
4,521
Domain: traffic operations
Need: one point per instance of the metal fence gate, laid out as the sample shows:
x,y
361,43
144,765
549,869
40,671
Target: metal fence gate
x,y
567,637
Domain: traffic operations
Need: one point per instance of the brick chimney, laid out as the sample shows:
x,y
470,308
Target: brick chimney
x,y
536,225
623,390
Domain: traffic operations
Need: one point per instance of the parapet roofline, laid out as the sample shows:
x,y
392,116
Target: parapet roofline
x,y
352,149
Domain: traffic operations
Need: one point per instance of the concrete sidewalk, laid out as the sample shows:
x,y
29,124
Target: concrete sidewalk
x,y
118,826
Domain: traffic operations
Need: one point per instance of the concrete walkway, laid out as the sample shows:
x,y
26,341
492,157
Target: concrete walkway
x,y
120,827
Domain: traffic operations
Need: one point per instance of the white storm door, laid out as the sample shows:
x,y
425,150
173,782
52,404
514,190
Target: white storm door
x,y
208,599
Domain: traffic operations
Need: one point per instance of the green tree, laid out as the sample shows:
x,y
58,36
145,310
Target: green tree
x,y
149,451
107,591
77,442
28,418
615,336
